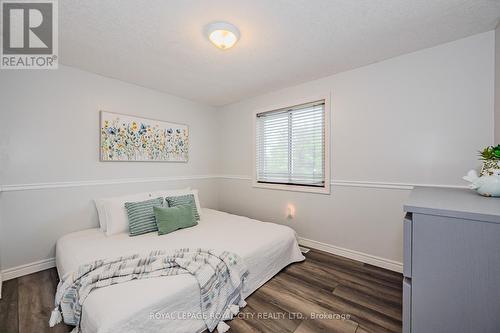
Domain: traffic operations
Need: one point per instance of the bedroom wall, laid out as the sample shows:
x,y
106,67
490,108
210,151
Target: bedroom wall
x,y
416,119
50,134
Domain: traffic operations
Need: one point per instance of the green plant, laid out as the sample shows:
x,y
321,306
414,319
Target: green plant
x,y
490,153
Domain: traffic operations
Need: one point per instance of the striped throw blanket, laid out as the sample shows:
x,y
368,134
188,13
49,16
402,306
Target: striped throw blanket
x,y
220,275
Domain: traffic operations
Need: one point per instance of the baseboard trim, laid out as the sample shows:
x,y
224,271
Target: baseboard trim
x,y
351,254
37,266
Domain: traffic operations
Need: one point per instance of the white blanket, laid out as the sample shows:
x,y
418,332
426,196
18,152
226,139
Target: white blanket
x,y
171,301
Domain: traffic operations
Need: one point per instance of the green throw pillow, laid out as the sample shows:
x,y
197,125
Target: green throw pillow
x,y
141,217
169,219
184,200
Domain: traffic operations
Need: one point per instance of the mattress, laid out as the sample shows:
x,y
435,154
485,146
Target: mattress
x,y
172,303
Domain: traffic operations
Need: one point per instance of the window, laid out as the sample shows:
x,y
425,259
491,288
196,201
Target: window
x,y
292,148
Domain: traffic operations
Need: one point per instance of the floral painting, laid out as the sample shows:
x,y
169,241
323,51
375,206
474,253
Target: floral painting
x,y
129,138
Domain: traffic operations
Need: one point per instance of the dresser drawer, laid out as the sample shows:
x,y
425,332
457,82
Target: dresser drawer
x,y
407,244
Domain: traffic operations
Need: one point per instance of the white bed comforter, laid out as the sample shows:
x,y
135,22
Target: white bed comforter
x,y
167,304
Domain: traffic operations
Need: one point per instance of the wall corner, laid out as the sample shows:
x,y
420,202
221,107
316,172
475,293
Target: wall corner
x,y
497,85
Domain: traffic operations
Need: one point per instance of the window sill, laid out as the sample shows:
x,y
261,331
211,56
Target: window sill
x,y
294,188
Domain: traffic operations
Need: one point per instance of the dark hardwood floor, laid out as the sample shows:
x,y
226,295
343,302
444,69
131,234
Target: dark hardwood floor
x,y
325,293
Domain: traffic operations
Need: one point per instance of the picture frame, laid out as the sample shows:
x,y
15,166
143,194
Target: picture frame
x,y
130,138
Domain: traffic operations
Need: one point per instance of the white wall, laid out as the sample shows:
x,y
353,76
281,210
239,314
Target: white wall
x,y
50,134
497,84
415,119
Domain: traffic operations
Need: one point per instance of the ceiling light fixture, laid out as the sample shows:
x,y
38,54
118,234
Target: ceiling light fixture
x,y
223,35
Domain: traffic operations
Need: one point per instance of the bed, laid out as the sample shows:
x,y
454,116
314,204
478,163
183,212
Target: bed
x,y
170,303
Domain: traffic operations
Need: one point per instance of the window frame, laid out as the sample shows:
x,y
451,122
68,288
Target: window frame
x,y
292,187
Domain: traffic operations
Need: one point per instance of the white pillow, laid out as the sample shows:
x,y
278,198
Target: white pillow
x,y
113,217
197,201
112,214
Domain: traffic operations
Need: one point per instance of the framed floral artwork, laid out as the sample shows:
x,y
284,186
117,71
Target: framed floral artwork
x,y
131,138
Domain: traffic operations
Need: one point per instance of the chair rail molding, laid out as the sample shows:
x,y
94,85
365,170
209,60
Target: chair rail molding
x,y
117,181
363,183
99,182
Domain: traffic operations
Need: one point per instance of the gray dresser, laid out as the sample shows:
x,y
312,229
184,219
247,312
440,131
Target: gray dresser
x,y
451,262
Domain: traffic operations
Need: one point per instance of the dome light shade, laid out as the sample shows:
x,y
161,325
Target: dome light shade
x,y
223,35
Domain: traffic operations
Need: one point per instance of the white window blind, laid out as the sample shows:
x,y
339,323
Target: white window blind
x,y
291,145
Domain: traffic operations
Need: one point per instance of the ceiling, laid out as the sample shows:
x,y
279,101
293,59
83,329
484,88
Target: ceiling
x,y
160,44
